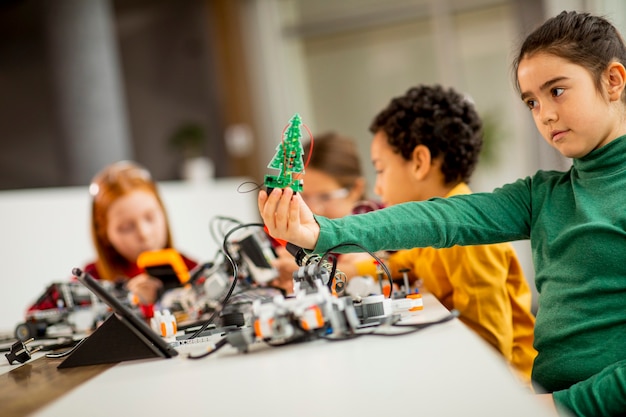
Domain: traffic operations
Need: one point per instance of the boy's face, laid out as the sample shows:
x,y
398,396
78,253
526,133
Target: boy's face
x,y
394,174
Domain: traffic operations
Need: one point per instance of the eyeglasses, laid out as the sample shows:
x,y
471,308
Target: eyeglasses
x,y
324,198
117,172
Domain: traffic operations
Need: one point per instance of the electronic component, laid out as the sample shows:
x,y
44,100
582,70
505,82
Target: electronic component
x,y
373,308
167,265
248,314
65,307
361,286
313,266
164,324
288,159
20,352
310,314
256,253
407,305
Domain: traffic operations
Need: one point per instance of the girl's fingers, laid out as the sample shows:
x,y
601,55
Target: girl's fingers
x,y
274,210
294,210
281,215
267,207
262,203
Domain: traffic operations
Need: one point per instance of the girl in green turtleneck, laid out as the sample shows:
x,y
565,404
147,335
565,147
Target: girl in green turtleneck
x,y
571,74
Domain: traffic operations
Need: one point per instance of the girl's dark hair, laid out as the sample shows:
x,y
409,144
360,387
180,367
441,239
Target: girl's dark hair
x,y
589,41
337,156
444,121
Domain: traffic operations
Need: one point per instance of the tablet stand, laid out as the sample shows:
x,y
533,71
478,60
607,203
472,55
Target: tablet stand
x,y
113,341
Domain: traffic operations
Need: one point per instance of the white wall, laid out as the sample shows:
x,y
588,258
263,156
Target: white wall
x,y
45,233
341,65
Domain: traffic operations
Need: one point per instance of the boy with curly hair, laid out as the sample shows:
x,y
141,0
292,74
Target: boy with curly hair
x,y
426,145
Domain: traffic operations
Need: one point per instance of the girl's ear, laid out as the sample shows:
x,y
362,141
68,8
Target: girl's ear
x,y
421,162
616,78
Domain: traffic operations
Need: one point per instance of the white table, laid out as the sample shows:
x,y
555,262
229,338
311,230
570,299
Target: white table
x,y
445,370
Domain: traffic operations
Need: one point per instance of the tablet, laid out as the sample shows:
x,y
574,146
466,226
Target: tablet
x,y
134,322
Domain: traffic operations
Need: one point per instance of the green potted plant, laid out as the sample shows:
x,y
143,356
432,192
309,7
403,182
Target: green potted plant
x,y
190,139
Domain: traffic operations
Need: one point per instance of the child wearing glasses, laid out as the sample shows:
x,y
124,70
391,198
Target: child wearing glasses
x,y
334,186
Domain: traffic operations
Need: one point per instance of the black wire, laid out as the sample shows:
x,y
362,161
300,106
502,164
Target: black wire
x,y
345,337
226,253
256,187
380,262
414,328
305,335
212,222
220,344
228,256
298,339
418,326
333,271
43,347
218,310
65,352
206,324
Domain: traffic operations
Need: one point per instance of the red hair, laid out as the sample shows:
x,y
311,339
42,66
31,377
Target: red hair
x,y
115,181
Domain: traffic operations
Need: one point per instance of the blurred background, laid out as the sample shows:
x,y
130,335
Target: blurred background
x,y
163,82
202,89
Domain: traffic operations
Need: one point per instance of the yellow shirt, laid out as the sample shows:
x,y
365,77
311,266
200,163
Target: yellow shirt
x,y
485,283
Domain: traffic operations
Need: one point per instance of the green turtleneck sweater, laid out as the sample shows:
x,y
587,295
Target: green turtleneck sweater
x,y
576,223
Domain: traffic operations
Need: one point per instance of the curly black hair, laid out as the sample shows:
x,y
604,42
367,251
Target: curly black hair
x,y
444,121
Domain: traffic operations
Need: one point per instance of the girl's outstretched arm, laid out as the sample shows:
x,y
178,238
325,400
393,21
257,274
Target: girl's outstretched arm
x,y
287,217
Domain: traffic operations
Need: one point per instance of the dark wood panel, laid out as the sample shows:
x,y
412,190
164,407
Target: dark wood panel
x,y
38,382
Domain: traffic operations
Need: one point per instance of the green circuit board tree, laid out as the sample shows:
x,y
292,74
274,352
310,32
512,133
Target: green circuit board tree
x,y
288,159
